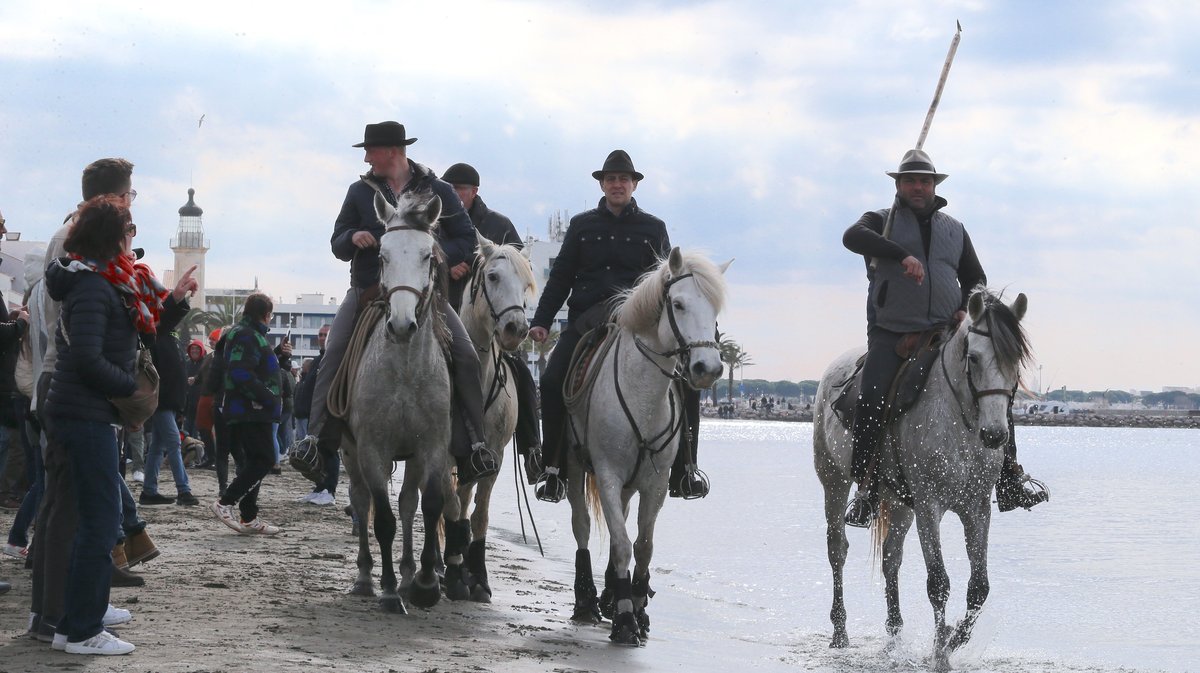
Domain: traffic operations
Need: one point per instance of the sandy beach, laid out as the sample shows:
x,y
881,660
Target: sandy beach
x,y
218,602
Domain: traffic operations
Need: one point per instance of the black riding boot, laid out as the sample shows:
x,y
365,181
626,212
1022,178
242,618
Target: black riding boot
x,y
687,481
475,461
1015,488
528,436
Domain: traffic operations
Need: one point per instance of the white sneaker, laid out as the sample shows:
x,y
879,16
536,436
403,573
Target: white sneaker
x,y
139,477
258,527
322,498
101,643
59,643
114,616
307,497
14,551
226,516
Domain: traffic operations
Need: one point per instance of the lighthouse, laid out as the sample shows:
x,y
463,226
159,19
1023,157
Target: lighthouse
x,y
190,245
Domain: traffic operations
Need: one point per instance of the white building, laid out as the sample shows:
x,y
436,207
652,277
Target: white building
x,y
13,255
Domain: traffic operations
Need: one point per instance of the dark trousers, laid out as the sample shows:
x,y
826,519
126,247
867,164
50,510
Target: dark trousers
x,y
687,453
226,448
256,442
528,433
333,468
19,533
879,371
55,527
554,410
91,447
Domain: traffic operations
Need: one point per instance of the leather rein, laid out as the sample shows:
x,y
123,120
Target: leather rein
x,y
976,394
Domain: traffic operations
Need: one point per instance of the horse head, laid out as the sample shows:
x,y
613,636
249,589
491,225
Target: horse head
x,y
994,350
408,260
501,287
677,305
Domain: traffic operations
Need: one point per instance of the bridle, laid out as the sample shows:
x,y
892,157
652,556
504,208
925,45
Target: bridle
x,y
684,347
478,283
976,394
423,296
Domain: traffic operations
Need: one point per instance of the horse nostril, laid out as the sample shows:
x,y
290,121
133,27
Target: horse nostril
x,y
391,329
412,327
992,438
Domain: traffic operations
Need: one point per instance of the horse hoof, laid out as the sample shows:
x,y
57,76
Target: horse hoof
x,y
480,593
625,630
362,589
457,591
586,613
840,640
424,595
608,603
643,622
393,605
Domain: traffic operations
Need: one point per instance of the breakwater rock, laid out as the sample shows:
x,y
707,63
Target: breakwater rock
x,y
1089,420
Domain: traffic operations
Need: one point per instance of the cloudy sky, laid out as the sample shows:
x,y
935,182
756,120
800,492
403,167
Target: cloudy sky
x,y
1069,130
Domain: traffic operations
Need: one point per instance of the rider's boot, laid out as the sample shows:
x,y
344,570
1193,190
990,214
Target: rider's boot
x,y
687,481
863,508
310,453
476,461
552,482
1016,489
528,436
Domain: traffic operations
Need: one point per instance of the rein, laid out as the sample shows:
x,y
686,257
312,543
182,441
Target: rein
x,y
646,446
684,346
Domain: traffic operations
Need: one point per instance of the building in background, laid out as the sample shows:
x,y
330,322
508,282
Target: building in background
x,y
189,245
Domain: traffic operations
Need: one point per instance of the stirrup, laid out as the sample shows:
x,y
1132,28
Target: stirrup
x,y
692,485
1020,491
304,456
533,464
479,465
551,487
862,511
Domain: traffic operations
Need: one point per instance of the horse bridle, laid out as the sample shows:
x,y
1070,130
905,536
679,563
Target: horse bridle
x,y
684,346
976,394
423,296
478,281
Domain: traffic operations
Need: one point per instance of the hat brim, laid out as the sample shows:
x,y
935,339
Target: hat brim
x,y
403,144
937,177
599,175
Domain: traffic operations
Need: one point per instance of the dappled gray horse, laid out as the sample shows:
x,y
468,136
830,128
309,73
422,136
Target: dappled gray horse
x,y
948,449
626,427
493,313
399,405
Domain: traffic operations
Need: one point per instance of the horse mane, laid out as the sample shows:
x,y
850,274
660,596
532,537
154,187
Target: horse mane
x,y
520,263
639,308
1008,335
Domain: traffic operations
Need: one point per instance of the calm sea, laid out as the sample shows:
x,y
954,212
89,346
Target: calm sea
x,y
1104,577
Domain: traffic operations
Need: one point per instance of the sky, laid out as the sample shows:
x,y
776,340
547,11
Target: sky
x,y
1070,132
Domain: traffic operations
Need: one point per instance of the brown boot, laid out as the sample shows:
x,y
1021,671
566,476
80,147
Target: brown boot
x,y
124,578
139,548
118,557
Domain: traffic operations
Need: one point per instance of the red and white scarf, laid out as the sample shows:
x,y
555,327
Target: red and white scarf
x,y
136,283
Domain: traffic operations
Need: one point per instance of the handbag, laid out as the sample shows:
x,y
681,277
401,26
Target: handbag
x,y
141,405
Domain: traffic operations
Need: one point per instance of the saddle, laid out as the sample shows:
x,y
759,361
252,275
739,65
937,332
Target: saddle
x,y
921,351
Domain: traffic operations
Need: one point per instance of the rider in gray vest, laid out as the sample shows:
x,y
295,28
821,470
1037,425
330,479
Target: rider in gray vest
x,y
925,269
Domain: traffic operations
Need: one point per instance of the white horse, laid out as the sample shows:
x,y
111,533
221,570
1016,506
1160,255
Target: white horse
x,y
629,425
399,405
952,446
493,313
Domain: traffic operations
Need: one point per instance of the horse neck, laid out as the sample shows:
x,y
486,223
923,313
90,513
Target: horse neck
x,y
633,365
478,322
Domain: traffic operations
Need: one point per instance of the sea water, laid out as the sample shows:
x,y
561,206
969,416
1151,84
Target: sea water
x,y
1104,577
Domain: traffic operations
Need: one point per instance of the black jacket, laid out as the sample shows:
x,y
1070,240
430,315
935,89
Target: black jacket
x,y
302,404
96,356
168,358
494,226
601,255
456,235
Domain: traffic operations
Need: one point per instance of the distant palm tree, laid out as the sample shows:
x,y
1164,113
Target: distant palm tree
x,y
734,356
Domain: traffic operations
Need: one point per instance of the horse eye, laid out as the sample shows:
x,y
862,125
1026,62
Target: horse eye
x,y
677,304
973,358
492,276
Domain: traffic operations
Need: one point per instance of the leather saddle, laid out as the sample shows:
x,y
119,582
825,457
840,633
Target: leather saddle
x,y
920,350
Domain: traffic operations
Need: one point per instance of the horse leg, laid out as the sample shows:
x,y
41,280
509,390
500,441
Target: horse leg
x,y
586,610
937,582
458,534
837,491
608,601
615,504
360,500
643,550
976,523
406,504
481,590
385,534
900,518
426,591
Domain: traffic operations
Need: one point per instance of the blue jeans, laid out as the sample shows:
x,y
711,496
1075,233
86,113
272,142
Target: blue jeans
x,y
301,428
284,436
19,533
91,448
165,441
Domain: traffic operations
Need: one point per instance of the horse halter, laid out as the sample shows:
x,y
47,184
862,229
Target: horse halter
x,y
423,296
975,392
684,346
478,281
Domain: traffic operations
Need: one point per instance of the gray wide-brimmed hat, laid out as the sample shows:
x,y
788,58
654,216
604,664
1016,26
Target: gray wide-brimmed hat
x,y
385,134
618,161
917,161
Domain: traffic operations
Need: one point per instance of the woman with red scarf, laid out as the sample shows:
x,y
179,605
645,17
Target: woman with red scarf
x,y
108,301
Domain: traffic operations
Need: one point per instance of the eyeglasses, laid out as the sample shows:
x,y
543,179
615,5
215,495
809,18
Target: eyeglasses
x,y
132,194
131,229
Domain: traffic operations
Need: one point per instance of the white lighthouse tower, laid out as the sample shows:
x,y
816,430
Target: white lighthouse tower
x,y
190,245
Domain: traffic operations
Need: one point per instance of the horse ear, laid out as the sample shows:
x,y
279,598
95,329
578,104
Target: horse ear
x,y
486,247
527,252
725,266
433,209
975,306
1020,306
383,209
675,261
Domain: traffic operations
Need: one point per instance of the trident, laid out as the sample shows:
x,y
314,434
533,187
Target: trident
x,y
937,98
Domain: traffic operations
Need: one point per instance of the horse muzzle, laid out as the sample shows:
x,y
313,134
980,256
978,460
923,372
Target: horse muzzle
x,y
512,334
702,374
993,437
401,329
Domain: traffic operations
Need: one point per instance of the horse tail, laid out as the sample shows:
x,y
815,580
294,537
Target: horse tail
x,y
879,533
591,494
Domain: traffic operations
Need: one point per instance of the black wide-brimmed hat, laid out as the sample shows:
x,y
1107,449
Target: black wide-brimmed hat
x,y
385,134
917,161
461,174
618,161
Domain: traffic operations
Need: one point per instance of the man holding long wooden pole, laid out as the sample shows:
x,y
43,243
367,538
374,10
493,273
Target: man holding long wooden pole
x,y
921,268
